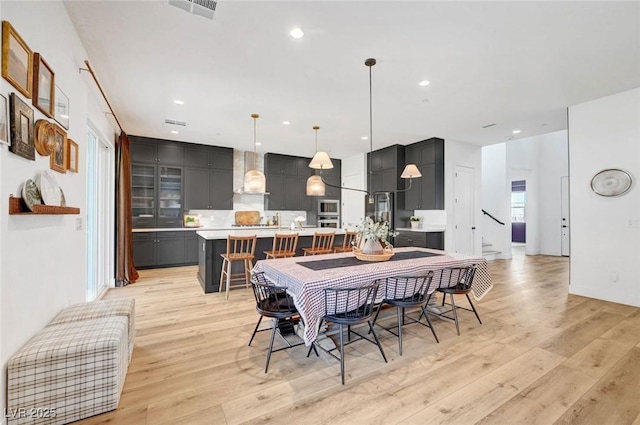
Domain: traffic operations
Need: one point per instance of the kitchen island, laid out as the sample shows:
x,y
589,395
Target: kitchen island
x,y
212,243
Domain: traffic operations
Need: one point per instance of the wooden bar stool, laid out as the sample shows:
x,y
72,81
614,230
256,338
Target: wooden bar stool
x,y
239,248
284,246
322,243
347,244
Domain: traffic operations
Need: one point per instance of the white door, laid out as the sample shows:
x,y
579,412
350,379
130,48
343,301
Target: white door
x,y
464,210
353,202
564,212
100,193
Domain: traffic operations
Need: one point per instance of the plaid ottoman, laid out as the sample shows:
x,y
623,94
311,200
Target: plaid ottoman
x,y
68,372
103,308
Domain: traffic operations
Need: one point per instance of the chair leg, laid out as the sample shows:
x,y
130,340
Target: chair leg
x,y
400,312
255,330
376,315
377,341
222,275
341,353
455,314
229,267
473,307
433,331
348,333
273,335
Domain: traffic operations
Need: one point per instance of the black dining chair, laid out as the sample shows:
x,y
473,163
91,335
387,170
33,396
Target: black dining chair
x,y
349,306
273,302
405,292
454,281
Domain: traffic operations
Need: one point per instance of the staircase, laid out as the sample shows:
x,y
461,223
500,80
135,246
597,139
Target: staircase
x,y
488,253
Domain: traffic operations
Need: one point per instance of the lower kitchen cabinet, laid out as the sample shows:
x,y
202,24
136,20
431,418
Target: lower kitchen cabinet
x,y
164,249
433,240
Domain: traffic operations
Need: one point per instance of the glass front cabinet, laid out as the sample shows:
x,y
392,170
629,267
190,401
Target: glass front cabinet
x,y
156,196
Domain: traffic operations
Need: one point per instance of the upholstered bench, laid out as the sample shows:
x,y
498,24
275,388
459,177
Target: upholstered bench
x,y
103,308
69,371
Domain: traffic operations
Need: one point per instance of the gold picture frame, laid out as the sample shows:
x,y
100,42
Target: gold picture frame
x,y
58,161
44,87
17,60
72,156
21,124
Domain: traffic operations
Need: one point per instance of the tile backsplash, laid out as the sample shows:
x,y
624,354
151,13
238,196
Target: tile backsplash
x,y
225,218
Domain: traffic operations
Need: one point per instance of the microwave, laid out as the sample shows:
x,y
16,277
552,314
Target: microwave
x,y
329,221
328,207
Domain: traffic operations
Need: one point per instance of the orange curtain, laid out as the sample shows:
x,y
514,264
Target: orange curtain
x,y
126,272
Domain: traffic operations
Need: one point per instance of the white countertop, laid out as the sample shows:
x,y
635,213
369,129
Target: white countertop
x,y
262,232
180,229
423,229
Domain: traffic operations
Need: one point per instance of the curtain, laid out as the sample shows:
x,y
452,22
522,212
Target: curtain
x,y
126,272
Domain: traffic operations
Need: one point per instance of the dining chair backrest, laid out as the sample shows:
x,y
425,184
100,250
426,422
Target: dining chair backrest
x,y
350,304
271,298
455,277
241,245
349,239
322,243
285,244
409,287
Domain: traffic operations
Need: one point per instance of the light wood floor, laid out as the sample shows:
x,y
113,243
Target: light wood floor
x,y
541,357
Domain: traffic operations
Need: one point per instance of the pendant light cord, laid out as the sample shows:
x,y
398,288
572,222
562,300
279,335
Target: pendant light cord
x,y
255,147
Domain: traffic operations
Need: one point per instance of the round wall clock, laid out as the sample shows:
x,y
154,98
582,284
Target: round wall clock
x,y
611,182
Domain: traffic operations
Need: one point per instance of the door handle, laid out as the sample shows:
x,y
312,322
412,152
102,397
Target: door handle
x,y
564,225
473,228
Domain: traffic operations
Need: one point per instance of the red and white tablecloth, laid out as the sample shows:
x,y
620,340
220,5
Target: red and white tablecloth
x,y
307,286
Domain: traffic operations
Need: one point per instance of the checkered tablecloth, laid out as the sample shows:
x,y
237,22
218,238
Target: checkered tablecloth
x,y
307,286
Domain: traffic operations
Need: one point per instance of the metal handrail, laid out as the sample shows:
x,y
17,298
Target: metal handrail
x,y
494,219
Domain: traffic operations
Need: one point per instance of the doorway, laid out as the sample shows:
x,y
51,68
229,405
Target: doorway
x,y
518,210
100,226
565,244
464,210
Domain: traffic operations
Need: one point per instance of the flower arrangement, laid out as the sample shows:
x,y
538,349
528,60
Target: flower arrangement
x,y
414,218
375,231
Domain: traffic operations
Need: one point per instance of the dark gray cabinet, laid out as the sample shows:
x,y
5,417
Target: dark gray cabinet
x,y
427,192
208,180
384,168
164,249
149,150
156,195
434,240
333,177
287,182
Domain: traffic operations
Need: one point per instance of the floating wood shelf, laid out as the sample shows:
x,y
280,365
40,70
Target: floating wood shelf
x,y
17,206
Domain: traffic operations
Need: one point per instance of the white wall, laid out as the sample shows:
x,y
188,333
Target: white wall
x,y
496,199
43,258
605,246
466,155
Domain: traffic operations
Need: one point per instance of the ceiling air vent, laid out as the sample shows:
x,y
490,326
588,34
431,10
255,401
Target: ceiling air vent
x,y
488,125
174,122
204,8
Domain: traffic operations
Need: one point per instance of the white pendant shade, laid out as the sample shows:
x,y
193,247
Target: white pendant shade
x,y
321,161
315,186
255,182
410,172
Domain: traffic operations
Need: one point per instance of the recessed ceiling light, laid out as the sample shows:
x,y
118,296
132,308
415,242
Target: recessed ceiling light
x,y
178,102
296,33
365,138
175,131
286,122
424,83
516,131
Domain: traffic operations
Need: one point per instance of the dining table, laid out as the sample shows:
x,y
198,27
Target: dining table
x,y
307,277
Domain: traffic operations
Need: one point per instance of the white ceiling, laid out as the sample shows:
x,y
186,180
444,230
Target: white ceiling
x,y
515,64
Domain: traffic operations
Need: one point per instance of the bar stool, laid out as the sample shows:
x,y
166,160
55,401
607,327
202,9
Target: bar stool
x,y
284,246
347,244
322,243
239,248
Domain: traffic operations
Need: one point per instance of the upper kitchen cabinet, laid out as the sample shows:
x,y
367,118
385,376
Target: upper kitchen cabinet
x,y
286,182
332,176
208,178
156,151
385,167
427,192
156,195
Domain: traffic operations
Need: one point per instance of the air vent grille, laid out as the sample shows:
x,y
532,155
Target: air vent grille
x,y
174,122
204,8
488,125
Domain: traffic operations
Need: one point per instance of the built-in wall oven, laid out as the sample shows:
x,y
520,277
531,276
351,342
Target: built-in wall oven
x,y
329,213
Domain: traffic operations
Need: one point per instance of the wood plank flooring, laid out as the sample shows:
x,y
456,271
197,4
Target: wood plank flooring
x,y
541,357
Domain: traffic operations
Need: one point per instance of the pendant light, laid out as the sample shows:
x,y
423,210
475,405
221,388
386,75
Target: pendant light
x,y
254,180
320,161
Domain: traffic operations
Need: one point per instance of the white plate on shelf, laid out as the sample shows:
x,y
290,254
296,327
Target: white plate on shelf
x,y
49,189
31,194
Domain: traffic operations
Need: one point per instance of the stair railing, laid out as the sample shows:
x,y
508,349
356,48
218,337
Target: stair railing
x,y
494,219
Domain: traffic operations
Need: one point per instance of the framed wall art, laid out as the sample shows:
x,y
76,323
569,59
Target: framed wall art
x,y
21,124
17,60
4,125
58,160
72,156
43,86
61,108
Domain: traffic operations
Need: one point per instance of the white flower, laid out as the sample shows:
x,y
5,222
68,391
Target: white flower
x,y
299,219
